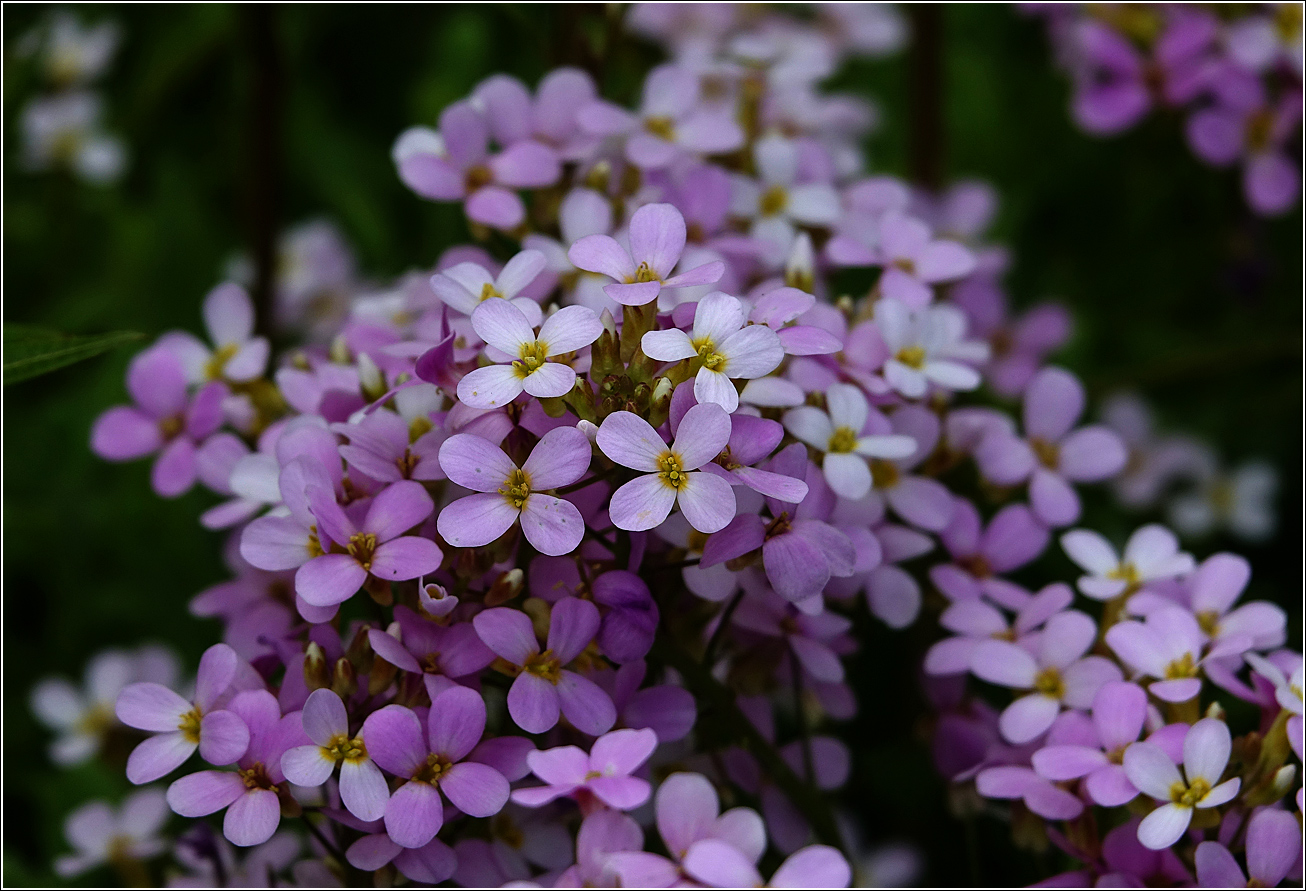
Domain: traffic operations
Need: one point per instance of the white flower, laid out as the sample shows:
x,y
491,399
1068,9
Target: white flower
x,y
1151,553
1149,768
926,347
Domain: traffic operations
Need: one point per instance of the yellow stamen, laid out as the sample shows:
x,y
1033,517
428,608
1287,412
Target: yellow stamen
x,y
545,665
190,726
516,488
671,471
843,440
532,358
362,545
1049,683
1191,794
912,357
773,201
663,127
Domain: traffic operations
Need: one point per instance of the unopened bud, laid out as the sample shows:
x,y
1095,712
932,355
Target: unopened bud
x,y
506,587
1215,710
370,378
540,612
345,681
316,673
800,268
1284,780
339,350
359,651
598,176
435,600
381,676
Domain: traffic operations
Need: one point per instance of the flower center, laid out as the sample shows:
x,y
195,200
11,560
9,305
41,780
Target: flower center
x,y
218,361
976,565
507,831
516,488
1260,126
1049,683
842,441
670,470
906,264
912,356
1125,572
1209,621
884,475
314,543
1047,453
190,726
435,767
545,665
362,545
1183,667
407,463
171,426
478,177
1288,19
662,126
645,273
532,357
342,748
257,777
1189,795
773,201
488,290
707,354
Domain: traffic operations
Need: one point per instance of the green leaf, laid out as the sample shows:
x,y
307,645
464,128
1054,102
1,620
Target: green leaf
x,y
30,351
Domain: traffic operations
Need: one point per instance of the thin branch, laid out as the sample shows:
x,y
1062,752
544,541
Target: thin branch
x,y
715,641
809,769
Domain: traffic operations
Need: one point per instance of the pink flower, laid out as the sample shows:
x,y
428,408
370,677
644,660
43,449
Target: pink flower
x,y
671,474
604,774
552,525
657,239
505,328
362,787
1206,752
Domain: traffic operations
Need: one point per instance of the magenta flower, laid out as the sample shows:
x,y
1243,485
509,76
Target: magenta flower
x,y
456,164
433,762
723,346
164,420
688,812
1273,850
181,727
1052,456
1119,714
544,687
101,833
506,329
604,774
1149,768
849,434
252,793
1059,674
376,548
362,787
671,476
657,239
672,121
552,525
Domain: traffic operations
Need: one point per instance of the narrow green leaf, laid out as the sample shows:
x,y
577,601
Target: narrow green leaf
x,y
31,351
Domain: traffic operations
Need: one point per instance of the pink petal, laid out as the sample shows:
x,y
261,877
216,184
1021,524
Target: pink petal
x,y
642,503
329,579
414,814
532,701
477,790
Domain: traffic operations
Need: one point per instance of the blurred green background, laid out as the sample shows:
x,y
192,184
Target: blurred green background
x,y
1174,288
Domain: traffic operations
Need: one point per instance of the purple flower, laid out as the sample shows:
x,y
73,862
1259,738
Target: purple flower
x,y
914,260
1039,795
1119,713
974,621
724,348
433,762
237,355
1151,554
385,447
1012,539
1111,92
776,202
544,687
809,638
506,329
101,833
181,727
719,864
689,812
848,434
252,793
362,787
706,500
1273,850
604,774
163,420
1051,456
672,121
603,836
1206,752
374,549
657,239
1059,674
455,164
552,525
1168,646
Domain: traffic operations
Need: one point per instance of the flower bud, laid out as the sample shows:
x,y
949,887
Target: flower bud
x,y
316,673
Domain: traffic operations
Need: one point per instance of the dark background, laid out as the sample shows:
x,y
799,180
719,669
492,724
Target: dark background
x,y
1174,287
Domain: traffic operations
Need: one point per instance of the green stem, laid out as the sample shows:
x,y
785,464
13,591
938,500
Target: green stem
x,y
716,698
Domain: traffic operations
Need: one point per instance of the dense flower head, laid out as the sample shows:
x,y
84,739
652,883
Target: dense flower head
x,y
589,514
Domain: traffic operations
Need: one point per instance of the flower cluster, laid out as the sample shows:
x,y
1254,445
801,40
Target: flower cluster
x,y
62,128
540,539
1235,72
